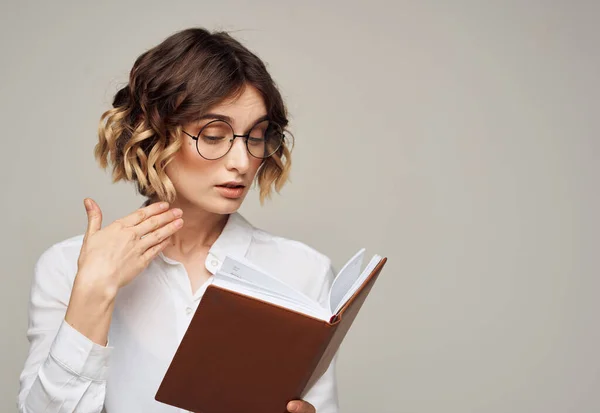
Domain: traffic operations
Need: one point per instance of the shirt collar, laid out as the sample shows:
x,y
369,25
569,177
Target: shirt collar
x,y
234,240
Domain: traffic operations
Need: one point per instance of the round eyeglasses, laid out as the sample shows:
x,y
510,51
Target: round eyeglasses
x,y
216,138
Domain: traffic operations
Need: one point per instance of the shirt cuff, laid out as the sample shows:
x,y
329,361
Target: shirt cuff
x,y
79,354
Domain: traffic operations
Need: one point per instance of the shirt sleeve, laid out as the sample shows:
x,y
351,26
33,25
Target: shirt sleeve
x,y
324,394
64,371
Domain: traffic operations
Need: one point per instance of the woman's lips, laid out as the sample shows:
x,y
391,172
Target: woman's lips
x,y
231,192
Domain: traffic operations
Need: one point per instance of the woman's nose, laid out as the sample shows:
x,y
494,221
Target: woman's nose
x,y
237,158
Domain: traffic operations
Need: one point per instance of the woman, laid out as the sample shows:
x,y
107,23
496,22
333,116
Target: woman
x,y
109,307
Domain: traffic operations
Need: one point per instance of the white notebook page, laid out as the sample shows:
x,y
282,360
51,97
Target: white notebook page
x,y
240,275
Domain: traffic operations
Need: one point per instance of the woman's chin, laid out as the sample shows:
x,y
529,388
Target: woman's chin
x,y
222,205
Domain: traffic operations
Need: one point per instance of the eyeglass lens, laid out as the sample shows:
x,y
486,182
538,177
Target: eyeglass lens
x,y
216,138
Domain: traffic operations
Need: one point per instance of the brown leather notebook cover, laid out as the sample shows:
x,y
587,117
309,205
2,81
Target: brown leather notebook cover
x,y
241,354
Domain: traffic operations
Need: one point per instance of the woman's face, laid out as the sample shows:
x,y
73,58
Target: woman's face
x,y
200,182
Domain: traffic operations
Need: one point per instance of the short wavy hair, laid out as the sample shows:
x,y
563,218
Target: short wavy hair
x,y
172,84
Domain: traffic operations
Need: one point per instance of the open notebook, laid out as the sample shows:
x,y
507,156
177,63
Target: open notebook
x,y
241,276
255,343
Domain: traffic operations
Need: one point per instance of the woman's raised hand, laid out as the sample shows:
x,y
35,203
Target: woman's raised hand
x,y
121,250
110,258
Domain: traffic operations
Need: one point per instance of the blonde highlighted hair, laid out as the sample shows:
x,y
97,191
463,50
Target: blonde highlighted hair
x,y
170,85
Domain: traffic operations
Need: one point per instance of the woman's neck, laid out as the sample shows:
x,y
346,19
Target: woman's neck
x,y
200,230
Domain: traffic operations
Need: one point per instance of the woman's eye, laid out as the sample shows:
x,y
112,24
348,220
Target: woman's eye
x,y
212,139
255,141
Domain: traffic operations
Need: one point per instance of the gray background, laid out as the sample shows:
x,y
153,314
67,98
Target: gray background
x,y
457,138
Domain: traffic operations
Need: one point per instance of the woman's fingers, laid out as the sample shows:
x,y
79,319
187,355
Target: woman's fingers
x,y
94,216
153,251
300,406
142,214
157,221
160,235
117,251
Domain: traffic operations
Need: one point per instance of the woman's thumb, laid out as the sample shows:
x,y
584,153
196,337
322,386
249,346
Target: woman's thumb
x,y
94,215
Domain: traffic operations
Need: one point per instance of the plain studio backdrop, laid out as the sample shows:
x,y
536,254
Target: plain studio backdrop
x,y
457,138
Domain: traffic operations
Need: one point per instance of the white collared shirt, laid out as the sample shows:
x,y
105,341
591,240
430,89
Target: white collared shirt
x,y
67,372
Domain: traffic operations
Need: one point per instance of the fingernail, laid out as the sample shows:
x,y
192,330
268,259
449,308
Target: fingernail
x,y
292,407
164,205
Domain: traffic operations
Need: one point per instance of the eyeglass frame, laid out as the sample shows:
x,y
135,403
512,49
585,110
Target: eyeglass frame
x,y
245,136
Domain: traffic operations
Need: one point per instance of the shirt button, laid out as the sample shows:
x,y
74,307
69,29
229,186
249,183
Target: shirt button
x,y
188,310
214,263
